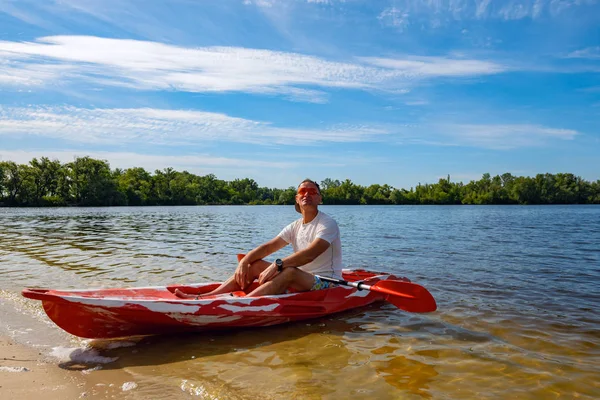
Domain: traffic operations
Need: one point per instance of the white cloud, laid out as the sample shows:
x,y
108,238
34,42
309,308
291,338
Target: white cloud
x,y
590,53
147,161
176,128
437,66
167,127
394,17
21,74
515,10
259,3
481,9
502,137
147,65
434,13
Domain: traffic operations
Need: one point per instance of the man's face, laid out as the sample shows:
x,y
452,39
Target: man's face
x,y
308,195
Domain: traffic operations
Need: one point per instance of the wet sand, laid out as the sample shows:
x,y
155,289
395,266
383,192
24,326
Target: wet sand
x,y
26,374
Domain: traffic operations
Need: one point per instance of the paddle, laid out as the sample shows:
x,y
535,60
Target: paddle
x,y
405,295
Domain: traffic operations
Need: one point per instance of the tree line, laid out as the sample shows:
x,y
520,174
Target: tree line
x,y
90,182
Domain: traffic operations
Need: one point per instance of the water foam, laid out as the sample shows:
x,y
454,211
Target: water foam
x,y
14,369
128,386
79,355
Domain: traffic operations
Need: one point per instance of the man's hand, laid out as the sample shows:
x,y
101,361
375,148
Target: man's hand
x,y
268,274
242,274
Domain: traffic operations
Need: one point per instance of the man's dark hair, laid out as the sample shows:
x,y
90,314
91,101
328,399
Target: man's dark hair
x,y
313,182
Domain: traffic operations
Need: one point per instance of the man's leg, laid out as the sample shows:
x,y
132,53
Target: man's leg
x,y
230,285
290,277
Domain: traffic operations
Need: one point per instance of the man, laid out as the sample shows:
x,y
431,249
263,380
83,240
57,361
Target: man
x,y
315,239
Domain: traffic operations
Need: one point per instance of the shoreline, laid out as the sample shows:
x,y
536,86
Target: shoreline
x,y
25,372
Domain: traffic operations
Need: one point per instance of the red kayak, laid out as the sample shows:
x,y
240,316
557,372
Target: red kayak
x,y
111,313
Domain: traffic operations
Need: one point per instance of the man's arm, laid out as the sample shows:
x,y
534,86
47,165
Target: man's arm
x,y
314,250
258,253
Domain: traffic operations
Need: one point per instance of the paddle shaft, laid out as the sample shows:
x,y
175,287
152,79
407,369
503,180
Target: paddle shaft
x,y
358,285
363,286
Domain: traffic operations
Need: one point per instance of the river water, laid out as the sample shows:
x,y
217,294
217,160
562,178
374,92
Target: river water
x,y
517,287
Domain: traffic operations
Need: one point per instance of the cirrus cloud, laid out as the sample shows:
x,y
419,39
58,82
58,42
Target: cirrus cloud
x,y
502,136
176,128
403,13
145,65
167,127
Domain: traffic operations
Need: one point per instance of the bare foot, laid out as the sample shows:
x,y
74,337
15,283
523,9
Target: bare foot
x,y
183,295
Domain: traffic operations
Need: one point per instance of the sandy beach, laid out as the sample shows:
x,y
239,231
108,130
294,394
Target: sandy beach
x,y
26,374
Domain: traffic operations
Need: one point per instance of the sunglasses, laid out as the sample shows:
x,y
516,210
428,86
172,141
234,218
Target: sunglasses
x,y
309,191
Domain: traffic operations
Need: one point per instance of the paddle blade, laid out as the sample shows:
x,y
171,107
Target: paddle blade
x,y
406,295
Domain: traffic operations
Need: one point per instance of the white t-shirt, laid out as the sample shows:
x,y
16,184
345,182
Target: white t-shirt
x,y
301,235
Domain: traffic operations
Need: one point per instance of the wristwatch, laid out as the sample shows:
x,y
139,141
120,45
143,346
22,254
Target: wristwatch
x,y
279,263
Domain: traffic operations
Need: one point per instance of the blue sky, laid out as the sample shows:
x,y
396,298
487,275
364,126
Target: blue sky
x,y
396,92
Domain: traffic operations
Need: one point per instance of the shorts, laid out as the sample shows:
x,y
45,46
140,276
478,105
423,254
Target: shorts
x,y
321,284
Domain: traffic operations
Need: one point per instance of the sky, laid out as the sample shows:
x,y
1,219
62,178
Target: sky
x,y
396,92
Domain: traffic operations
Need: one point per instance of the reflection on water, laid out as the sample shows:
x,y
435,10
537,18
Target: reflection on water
x,y
517,289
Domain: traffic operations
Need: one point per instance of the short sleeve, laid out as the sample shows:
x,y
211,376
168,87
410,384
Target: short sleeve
x,y
328,230
287,232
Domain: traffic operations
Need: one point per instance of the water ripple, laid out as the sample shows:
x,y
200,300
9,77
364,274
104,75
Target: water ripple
x,y
517,289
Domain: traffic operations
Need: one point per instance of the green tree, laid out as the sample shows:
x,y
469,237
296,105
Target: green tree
x,y
3,180
594,193
245,189
329,183
182,189
88,182
569,189
136,185
162,181
377,194
46,176
287,196
91,182
524,191
17,183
